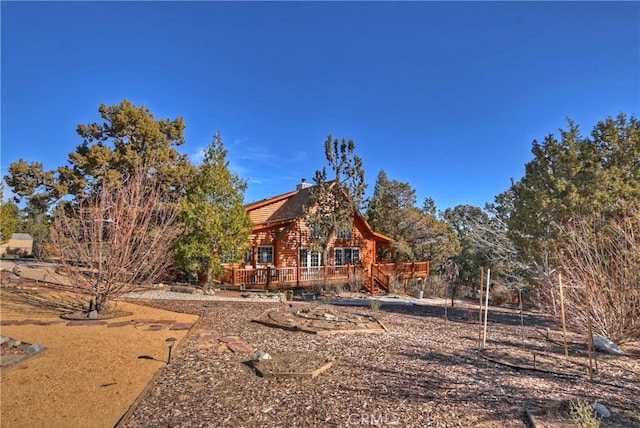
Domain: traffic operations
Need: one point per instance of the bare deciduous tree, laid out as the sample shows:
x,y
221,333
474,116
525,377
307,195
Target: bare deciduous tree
x,y
599,259
491,238
117,237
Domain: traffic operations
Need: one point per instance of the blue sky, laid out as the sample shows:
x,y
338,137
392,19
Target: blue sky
x,y
447,96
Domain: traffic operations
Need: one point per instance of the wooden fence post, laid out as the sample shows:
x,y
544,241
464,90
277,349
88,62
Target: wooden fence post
x,y
564,322
480,309
486,308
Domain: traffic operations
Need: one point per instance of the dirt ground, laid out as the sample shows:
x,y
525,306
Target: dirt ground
x,y
422,370
89,375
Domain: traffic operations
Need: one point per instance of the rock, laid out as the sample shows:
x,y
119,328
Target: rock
x,y
4,339
36,347
601,409
258,356
93,315
7,360
13,277
13,343
605,345
181,326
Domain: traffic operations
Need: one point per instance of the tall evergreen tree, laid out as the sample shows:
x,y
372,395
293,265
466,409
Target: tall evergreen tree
x,y
129,138
8,217
568,179
216,225
36,221
390,198
465,220
418,233
334,202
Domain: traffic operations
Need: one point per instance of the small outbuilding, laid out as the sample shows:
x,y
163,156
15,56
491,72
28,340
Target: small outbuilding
x,y
20,245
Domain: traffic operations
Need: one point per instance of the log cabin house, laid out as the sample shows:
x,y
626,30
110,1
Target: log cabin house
x,y
281,254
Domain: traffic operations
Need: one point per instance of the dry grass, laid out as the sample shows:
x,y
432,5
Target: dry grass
x,y
89,375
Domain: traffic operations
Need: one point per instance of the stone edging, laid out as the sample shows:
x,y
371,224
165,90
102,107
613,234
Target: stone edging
x,y
132,408
24,358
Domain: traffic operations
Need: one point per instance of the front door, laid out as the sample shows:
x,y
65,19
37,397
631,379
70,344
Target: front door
x,y
309,264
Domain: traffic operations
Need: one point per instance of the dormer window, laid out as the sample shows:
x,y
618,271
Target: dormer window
x,y
346,234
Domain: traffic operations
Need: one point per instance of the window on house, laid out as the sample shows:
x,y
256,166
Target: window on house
x,y
265,255
346,256
345,234
248,256
315,231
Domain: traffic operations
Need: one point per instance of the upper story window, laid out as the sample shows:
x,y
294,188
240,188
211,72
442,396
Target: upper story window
x,y
345,234
265,255
318,232
315,231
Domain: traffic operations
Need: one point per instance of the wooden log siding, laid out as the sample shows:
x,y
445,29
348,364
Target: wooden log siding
x,y
287,247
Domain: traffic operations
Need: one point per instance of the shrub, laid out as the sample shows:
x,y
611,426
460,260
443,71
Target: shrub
x,y
435,286
182,289
583,414
355,283
599,260
376,309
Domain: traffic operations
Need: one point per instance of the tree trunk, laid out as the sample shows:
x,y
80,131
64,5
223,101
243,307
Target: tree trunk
x,y
101,301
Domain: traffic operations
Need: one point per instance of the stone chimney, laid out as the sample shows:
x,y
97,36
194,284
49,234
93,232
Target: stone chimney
x,y
303,184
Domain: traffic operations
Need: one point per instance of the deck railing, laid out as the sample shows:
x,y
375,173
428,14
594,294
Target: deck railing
x,y
286,276
381,275
378,274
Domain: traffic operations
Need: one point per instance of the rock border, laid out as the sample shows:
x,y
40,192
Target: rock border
x,y
24,359
84,316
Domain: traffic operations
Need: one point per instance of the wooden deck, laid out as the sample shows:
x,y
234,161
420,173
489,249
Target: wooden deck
x,y
378,277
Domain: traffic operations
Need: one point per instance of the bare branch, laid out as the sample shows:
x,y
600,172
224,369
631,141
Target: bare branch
x,y
599,259
121,236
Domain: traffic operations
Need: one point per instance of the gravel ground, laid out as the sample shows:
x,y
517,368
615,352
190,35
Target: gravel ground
x,y
422,372
172,295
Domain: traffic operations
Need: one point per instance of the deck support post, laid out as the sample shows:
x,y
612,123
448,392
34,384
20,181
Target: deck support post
x,y
268,276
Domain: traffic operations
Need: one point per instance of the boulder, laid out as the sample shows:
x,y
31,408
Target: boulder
x,y
601,409
605,345
258,356
36,347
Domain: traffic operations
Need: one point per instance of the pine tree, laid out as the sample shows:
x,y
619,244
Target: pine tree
x,y
8,217
216,225
418,234
569,179
333,203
